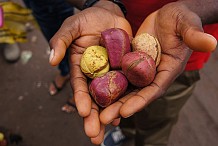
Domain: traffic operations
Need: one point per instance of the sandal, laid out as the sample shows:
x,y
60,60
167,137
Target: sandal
x,y
56,89
69,107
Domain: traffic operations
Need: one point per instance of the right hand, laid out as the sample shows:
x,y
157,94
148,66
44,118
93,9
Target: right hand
x,y
77,33
179,31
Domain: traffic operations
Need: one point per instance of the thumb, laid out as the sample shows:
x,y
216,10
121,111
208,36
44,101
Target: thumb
x,y
62,40
199,41
58,50
192,33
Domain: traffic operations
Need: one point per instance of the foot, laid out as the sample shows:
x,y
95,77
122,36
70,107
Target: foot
x,y
58,84
69,107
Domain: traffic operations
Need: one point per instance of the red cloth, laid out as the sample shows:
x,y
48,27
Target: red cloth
x,y
138,10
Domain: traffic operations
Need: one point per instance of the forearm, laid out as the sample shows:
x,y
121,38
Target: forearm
x,y
106,4
207,10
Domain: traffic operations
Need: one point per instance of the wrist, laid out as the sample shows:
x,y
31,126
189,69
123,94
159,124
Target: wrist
x,y
115,6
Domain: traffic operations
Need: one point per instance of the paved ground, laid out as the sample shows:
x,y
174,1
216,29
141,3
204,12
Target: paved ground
x,y
27,108
25,105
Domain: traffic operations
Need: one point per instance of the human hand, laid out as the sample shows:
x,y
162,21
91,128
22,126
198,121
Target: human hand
x,y
77,33
177,29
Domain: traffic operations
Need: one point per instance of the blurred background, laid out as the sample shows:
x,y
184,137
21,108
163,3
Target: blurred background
x,y
27,108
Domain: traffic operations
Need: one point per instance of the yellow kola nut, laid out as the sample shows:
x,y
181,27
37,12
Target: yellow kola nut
x,y
94,61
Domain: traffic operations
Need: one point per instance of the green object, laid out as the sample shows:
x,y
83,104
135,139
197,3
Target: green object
x,y
1,136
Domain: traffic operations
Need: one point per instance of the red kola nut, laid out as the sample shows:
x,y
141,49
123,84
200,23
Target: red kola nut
x,y
107,89
117,43
139,68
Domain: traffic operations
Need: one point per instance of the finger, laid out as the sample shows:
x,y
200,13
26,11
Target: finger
x,y
124,24
79,86
116,122
112,112
190,28
92,122
148,25
139,101
148,94
62,40
199,41
99,139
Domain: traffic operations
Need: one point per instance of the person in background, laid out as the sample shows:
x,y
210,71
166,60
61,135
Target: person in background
x,y
150,112
50,15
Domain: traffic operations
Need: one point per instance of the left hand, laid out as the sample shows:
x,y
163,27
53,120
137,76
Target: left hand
x,y
77,33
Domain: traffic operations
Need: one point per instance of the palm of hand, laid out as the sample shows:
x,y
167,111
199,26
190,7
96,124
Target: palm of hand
x,y
86,31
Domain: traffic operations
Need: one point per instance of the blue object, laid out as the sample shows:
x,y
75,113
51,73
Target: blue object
x,y
113,137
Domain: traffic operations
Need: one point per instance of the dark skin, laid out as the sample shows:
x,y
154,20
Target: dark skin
x,y
176,27
83,29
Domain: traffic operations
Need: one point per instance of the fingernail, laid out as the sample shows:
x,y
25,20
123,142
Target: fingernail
x,y
109,122
211,36
51,55
128,116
